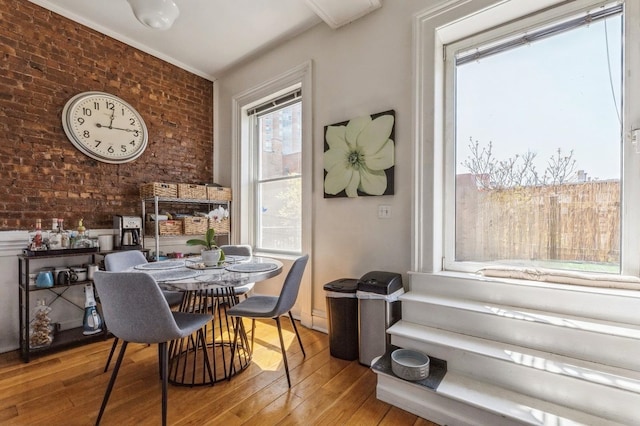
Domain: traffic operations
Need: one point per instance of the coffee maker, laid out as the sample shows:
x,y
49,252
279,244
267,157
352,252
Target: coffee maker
x,y
128,232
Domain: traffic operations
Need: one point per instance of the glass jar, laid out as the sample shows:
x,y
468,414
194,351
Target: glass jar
x,y
41,333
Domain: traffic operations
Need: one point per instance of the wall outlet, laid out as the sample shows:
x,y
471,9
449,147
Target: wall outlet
x,y
384,211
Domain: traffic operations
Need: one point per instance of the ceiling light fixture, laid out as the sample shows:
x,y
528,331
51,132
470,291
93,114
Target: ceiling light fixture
x,y
155,14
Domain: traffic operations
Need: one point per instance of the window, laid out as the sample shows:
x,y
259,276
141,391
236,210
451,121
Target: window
x,y
534,144
277,141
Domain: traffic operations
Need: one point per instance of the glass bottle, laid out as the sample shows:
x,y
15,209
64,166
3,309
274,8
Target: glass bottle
x,y
82,240
55,241
35,237
40,334
64,235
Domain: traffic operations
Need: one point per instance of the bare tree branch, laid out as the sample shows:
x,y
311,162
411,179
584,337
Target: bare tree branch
x,y
520,170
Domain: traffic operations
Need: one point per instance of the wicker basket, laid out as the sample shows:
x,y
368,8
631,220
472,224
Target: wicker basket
x,y
195,225
165,227
221,227
192,191
169,190
218,193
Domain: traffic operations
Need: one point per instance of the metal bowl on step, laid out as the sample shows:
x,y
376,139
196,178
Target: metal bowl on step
x,y
409,364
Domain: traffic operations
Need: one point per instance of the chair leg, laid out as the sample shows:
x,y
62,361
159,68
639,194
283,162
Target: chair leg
x,y
164,363
112,381
113,349
297,334
253,332
284,352
160,361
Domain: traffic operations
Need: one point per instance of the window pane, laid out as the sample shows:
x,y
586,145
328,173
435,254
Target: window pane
x,y
538,152
280,223
280,142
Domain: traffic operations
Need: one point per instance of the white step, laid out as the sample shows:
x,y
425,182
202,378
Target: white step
x,y
615,305
597,389
462,401
568,335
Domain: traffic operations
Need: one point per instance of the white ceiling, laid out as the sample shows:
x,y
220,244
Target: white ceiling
x,y
210,36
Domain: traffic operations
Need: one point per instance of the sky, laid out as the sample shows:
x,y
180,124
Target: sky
x,y
550,94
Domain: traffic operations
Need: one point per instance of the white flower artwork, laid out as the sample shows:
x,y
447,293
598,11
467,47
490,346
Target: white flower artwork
x,y
359,156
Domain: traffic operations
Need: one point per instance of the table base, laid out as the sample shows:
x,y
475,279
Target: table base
x,y
187,363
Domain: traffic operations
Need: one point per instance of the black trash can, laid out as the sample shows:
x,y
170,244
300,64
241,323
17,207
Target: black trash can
x,y
379,309
342,318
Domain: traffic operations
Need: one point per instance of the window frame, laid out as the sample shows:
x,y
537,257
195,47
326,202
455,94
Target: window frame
x,y
433,213
242,155
256,172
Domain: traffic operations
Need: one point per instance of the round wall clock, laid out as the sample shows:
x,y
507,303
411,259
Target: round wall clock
x,y
104,127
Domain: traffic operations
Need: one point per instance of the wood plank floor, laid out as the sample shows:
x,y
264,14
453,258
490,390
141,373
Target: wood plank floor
x,y
66,388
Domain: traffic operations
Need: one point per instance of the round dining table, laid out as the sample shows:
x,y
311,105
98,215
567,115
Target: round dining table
x,y
210,290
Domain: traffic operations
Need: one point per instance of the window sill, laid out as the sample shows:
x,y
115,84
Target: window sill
x,y
563,277
476,279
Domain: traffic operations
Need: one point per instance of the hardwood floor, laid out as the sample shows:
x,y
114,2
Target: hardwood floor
x,y
66,388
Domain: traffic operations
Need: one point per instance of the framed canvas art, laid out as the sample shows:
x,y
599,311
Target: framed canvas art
x,y
359,156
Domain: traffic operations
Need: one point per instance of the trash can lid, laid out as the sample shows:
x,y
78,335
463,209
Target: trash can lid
x,y
380,282
343,285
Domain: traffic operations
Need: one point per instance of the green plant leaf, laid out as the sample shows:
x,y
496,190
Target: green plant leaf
x,y
209,241
196,242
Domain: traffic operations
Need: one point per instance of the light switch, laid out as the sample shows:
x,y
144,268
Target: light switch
x,y
384,211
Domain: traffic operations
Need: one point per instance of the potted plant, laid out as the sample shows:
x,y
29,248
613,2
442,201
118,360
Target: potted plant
x,y
211,253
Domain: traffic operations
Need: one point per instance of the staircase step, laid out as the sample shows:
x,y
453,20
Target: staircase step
x,y
568,335
461,400
598,389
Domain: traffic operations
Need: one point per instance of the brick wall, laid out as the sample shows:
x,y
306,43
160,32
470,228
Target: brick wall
x,y
46,59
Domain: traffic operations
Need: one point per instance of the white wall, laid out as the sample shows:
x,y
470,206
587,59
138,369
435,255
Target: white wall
x,y
362,68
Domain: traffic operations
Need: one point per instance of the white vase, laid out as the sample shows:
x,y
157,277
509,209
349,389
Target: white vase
x,y
211,257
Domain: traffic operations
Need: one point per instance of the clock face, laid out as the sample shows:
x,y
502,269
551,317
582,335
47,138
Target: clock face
x,y
104,127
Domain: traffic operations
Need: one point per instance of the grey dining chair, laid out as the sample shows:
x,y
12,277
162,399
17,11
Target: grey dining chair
x,y
123,260
136,311
272,307
239,250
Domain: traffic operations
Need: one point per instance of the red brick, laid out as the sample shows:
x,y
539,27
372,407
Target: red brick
x,y
47,59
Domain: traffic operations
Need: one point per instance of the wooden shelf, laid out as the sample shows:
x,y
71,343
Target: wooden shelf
x,y
33,287
70,337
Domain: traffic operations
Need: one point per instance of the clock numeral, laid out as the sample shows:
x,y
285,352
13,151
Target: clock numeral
x,y
135,133
86,134
110,150
96,106
97,143
86,111
122,112
110,105
80,120
132,121
123,148
133,143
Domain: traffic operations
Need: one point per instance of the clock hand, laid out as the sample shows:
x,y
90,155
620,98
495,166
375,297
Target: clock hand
x,y
114,128
118,128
